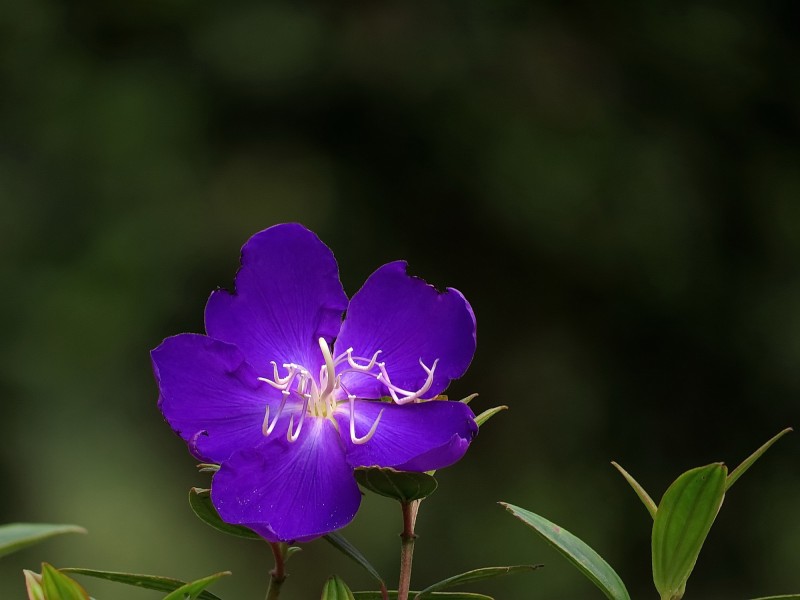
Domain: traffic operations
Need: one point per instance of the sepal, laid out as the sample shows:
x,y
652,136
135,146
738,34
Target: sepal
x,y
403,486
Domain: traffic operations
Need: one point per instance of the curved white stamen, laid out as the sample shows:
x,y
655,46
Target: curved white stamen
x,y
292,436
407,396
266,426
329,369
353,437
351,360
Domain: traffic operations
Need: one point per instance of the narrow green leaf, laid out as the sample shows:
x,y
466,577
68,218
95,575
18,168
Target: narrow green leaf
x,y
33,583
58,586
748,462
16,536
342,544
786,597
474,575
392,595
190,591
488,414
148,582
588,562
643,495
683,520
200,501
336,589
404,486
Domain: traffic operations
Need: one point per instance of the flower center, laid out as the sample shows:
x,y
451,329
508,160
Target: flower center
x,y
322,395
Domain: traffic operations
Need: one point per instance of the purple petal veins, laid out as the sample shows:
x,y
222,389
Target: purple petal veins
x,y
288,414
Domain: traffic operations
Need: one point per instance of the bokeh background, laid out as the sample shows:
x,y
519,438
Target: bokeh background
x,y
614,186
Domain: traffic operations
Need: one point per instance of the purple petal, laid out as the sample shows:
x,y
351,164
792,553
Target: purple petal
x,y
210,395
289,491
407,320
288,295
414,437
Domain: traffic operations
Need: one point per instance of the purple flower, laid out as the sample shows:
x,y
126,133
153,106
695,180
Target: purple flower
x,y
288,413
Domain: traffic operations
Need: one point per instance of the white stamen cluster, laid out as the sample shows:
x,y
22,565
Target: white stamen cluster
x,y
319,395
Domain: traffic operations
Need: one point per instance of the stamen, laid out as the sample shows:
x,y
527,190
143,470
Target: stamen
x,y
292,436
266,426
407,396
281,383
351,360
329,369
353,437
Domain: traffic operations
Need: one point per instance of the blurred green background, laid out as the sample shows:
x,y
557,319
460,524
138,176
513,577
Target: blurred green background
x,y
614,186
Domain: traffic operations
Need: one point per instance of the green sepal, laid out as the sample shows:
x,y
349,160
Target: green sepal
x,y
681,525
403,486
200,501
336,589
488,414
392,595
192,590
643,495
16,536
33,583
588,562
748,462
208,467
784,597
57,586
474,575
148,582
343,545
291,551
469,398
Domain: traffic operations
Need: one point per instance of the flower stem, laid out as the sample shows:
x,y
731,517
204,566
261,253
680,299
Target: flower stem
x,y
277,575
407,538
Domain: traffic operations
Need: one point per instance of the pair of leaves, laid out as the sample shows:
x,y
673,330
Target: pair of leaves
x,y
683,519
177,589
53,585
681,523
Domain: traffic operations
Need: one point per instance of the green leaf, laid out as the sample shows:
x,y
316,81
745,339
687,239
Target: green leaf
x,y
149,582
341,543
404,486
643,495
33,582
748,462
336,589
683,520
488,414
392,595
200,501
58,586
588,562
16,536
190,591
474,575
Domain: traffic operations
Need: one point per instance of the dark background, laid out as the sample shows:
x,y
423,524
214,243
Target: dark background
x,y
614,186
